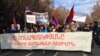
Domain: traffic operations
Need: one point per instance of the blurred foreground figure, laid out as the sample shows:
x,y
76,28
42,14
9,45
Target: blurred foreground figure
x,y
98,34
95,34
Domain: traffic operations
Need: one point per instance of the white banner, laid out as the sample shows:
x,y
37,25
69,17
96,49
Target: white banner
x,y
41,18
31,19
79,18
71,41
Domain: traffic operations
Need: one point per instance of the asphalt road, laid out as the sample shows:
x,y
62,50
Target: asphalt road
x,y
95,52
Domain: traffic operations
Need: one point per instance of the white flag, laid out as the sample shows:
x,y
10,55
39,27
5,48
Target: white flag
x,y
79,18
31,19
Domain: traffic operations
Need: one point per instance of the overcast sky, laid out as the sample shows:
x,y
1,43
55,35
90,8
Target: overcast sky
x,y
84,6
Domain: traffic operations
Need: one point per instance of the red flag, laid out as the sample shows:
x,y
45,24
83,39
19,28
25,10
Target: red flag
x,y
15,23
54,21
71,15
69,19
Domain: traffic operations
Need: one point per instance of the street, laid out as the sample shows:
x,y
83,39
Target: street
x,y
95,52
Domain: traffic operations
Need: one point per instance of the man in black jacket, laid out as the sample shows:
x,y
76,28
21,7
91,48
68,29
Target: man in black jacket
x,y
94,33
98,34
94,29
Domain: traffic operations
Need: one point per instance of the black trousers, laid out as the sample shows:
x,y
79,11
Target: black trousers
x,y
96,37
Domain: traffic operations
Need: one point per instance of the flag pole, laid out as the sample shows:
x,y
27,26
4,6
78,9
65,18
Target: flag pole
x,y
70,24
25,16
25,20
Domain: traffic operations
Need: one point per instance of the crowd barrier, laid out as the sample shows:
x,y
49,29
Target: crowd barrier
x,y
70,41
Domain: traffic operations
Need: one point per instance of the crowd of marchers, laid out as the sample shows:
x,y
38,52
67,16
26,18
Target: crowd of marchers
x,y
73,27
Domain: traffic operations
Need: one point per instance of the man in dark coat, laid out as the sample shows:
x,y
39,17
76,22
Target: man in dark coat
x,y
94,33
98,34
94,29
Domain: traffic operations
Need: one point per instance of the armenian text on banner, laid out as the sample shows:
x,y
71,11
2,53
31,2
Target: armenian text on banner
x,y
71,41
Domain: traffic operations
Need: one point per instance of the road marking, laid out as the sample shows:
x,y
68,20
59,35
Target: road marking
x,y
56,54
29,54
6,53
84,54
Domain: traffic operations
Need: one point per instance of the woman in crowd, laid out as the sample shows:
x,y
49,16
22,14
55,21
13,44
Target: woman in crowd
x,y
73,27
67,28
60,28
35,29
90,26
41,29
85,27
52,29
46,28
25,30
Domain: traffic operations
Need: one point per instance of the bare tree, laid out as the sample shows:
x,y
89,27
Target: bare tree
x,y
88,19
8,7
61,13
96,12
